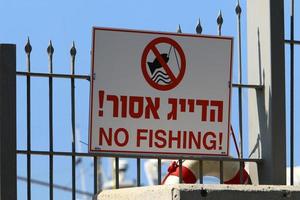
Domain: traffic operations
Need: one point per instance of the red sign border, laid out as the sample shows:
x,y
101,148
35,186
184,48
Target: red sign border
x,y
168,154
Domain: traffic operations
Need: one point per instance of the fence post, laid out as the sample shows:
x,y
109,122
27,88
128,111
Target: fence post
x,y
8,178
267,133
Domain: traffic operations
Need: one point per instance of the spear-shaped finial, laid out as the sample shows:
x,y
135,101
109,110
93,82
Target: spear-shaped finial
x,y
50,49
238,9
28,47
179,29
220,18
73,54
199,27
28,50
73,50
220,22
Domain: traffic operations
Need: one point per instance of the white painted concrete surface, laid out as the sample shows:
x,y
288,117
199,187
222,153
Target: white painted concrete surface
x,y
205,192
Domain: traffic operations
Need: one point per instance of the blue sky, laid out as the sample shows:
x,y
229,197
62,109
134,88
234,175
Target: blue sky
x,y
66,21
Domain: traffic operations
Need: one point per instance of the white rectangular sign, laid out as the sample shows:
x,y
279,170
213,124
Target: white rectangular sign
x,y
160,93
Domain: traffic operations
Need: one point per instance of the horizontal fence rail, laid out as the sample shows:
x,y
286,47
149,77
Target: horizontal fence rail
x,y
52,75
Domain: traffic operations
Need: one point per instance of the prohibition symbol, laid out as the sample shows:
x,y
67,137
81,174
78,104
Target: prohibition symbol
x,y
157,71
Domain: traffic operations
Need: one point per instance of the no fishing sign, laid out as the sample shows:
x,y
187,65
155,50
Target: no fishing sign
x,y
155,93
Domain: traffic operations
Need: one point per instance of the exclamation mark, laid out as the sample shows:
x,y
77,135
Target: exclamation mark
x,y
101,101
220,140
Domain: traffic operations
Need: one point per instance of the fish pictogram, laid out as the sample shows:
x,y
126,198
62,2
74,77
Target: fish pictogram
x,y
157,73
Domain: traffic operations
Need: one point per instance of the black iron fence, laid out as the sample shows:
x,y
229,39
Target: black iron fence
x,y
74,154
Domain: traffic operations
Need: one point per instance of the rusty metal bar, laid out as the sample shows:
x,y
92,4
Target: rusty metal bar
x,y
28,49
73,54
50,51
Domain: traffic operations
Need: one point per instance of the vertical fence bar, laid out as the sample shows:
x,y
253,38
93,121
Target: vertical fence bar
x,y
95,176
241,172
180,170
201,171
235,142
99,174
159,171
221,172
180,160
138,172
199,31
292,94
117,184
73,53
8,168
220,23
28,93
50,51
238,12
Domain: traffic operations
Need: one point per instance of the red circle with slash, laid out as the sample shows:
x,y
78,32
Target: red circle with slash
x,y
175,80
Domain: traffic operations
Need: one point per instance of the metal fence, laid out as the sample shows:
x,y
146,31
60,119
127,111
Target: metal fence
x,y
72,77
73,154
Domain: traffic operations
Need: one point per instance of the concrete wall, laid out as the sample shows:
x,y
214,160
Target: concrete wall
x,y
207,192
266,116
